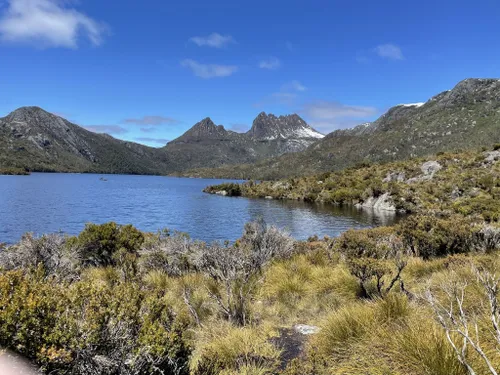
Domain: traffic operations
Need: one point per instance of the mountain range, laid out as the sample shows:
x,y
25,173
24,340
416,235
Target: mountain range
x,y
36,140
467,116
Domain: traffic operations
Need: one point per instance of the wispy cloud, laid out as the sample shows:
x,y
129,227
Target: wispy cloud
x,y
327,116
287,95
324,110
160,141
48,23
108,129
271,63
293,86
207,71
151,120
240,128
214,40
149,130
389,51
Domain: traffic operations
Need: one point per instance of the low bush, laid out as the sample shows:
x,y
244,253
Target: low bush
x,y
100,245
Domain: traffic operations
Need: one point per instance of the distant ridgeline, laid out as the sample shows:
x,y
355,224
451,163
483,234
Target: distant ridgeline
x,y
466,117
33,139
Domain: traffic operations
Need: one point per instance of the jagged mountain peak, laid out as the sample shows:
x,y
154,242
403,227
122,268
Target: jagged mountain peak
x,y
270,127
204,129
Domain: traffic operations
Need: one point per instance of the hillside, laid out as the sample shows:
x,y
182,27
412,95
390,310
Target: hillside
x,y
31,138
466,117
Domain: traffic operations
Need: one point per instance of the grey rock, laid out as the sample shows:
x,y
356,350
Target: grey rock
x,y
492,156
383,202
306,329
394,177
430,168
221,192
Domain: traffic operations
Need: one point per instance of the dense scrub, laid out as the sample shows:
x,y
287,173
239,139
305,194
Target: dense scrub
x,y
467,183
114,300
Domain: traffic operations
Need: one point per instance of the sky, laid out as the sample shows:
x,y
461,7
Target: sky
x,y
146,71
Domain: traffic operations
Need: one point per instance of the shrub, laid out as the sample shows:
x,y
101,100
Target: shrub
x,y
429,236
232,189
172,254
48,251
234,269
380,243
99,245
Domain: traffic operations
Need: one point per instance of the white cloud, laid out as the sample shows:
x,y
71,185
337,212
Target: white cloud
x,y
48,23
328,116
214,40
389,51
272,63
293,86
209,70
109,129
147,140
323,110
287,95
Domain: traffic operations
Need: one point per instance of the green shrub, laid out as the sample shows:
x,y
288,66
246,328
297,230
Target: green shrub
x,y
105,244
429,236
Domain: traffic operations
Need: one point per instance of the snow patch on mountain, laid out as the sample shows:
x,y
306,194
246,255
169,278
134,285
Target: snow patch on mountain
x,y
411,105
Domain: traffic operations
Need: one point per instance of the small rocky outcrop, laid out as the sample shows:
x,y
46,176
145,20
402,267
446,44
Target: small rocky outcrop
x,y
383,202
429,169
394,177
492,156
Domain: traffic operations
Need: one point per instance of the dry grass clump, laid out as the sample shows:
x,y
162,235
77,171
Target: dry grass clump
x,y
225,349
295,290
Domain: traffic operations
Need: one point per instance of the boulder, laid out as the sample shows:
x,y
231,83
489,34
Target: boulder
x,y
383,202
430,168
492,156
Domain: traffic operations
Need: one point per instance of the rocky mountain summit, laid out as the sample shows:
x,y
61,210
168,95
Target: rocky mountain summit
x,y
269,127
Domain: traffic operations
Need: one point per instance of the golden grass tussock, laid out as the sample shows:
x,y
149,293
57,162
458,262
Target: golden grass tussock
x,y
225,349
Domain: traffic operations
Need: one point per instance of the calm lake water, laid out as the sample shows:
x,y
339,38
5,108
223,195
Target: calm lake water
x,y
48,203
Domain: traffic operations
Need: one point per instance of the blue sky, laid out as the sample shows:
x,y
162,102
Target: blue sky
x,y
147,71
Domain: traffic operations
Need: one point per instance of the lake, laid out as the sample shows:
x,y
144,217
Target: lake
x,y
49,203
